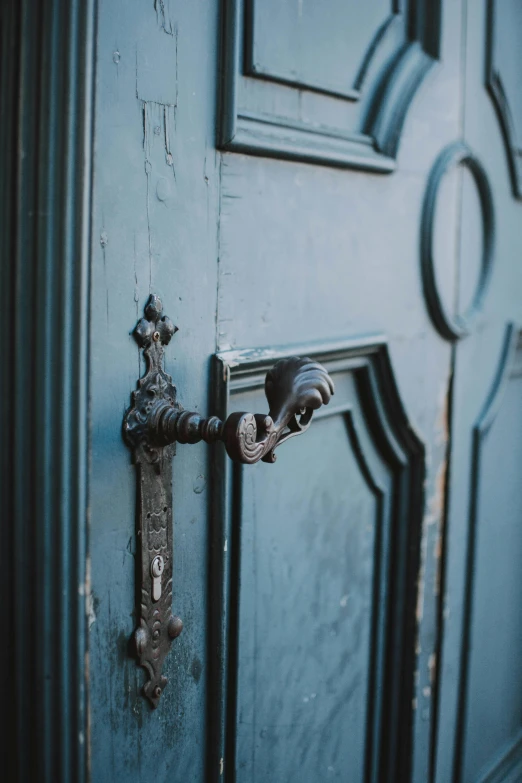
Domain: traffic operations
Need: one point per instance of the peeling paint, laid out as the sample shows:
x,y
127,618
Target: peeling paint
x,y
158,120
439,500
163,16
86,590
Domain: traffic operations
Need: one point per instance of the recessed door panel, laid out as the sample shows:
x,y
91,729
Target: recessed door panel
x,y
316,546
288,42
307,575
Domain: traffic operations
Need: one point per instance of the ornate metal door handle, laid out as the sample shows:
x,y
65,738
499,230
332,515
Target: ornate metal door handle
x,y
294,388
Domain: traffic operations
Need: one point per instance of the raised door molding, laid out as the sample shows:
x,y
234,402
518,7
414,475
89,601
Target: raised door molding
x,y
305,558
489,679
503,76
345,108
455,325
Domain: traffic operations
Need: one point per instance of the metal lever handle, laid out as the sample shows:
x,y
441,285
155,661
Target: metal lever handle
x,y
294,388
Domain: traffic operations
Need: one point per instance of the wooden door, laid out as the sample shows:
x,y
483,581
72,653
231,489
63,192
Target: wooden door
x,y
337,180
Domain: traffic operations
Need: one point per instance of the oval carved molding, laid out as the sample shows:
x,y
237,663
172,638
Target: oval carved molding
x,y
453,326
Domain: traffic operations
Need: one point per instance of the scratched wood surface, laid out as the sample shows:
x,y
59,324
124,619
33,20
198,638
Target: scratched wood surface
x,y
247,252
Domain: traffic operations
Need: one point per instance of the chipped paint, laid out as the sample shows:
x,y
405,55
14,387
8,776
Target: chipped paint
x,y
439,499
163,16
432,667
236,357
86,590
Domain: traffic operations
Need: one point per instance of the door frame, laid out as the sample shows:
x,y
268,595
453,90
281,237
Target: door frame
x,y
46,99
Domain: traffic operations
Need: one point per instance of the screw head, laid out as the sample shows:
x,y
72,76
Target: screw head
x,y
175,626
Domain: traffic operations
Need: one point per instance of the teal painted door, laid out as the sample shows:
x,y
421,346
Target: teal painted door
x,y
340,180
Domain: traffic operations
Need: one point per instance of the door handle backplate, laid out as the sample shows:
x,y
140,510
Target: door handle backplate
x,y
154,423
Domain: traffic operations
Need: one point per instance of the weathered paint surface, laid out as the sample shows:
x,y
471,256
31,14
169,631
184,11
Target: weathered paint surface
x,y
154,228
248,252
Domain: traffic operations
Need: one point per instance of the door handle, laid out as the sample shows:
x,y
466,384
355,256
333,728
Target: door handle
x,y
154,423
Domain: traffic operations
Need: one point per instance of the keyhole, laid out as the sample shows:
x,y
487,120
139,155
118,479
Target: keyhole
x,y
156,569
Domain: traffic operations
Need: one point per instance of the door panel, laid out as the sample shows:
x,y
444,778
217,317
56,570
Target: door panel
x,y
323,558
491,677
309,590
345,107
477,359
287,43
325,598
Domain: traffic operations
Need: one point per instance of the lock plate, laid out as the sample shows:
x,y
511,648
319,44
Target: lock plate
x,y
157,626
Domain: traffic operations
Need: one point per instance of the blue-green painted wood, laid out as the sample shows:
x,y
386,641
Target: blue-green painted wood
x,y
504,24
285,102
490,680
287,45
46,87
154,229
298,248
248,252
307,585
477,363
369,423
